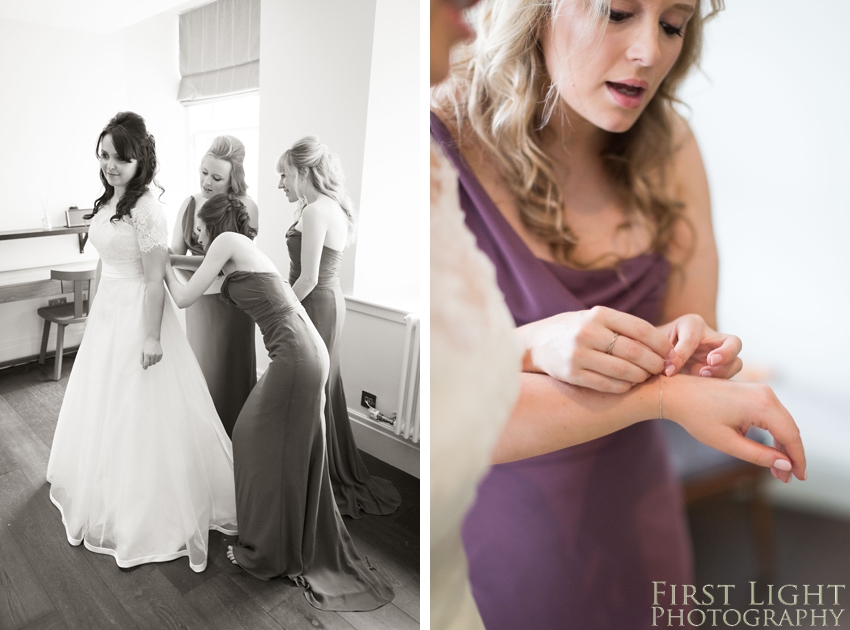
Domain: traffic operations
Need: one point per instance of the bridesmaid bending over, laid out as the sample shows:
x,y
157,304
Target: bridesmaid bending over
x,y
311,176
288,522
221,335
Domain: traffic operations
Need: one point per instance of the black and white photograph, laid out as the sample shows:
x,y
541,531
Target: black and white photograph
x,y
211,315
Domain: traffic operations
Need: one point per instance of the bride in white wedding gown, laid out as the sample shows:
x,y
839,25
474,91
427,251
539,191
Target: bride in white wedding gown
x,y
140,467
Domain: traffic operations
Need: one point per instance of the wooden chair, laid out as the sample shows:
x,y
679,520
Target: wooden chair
x,y
64,314
706,473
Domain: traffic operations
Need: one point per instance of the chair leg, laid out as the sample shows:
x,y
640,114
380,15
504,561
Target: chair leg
x,y
44,337
60,343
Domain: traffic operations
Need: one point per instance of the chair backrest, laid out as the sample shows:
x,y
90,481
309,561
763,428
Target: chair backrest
x,y
78,278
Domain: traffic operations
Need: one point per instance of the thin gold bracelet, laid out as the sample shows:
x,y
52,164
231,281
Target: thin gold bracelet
x,y
660,397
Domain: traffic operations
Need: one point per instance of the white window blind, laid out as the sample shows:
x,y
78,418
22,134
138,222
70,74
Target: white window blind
x,y
219,50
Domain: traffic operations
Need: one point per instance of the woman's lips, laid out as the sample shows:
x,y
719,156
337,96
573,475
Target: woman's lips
x,y
627,94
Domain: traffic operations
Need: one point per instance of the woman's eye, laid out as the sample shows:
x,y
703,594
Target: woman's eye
x,y
618,16
673,30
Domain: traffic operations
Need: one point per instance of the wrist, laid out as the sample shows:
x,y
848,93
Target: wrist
x,y
676,397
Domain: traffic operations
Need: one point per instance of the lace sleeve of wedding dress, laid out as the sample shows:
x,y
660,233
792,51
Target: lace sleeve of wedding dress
x,y
475,368
151,226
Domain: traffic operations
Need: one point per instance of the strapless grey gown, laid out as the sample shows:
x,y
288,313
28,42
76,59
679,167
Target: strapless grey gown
x,y
355,489
289,524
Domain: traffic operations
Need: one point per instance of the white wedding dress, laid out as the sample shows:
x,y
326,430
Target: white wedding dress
x,y
475,369
140,467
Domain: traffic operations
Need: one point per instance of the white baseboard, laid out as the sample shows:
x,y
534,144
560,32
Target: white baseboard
x,y
384,444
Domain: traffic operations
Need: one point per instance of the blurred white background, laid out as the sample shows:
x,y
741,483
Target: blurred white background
x,y
770,111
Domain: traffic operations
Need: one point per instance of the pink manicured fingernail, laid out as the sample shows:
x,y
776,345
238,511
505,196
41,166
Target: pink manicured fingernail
x,y
782,464
804,476
706,373
668,371
715,359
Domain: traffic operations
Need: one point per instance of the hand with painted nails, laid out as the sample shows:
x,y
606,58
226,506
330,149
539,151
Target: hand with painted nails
x,y
600,349
700,350
719,412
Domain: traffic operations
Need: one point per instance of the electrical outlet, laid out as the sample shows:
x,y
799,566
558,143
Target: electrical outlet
x,y
57,301
368,400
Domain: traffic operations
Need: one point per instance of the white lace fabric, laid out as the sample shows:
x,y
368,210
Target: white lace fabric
x,y
143,231
475,367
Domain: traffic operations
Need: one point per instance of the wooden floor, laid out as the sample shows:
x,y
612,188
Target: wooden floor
x,y
45,583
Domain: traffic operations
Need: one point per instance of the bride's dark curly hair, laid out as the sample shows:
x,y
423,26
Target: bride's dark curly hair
x,y
132,141
225,213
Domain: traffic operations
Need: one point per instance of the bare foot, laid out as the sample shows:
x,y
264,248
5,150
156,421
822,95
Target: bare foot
x,y
230,555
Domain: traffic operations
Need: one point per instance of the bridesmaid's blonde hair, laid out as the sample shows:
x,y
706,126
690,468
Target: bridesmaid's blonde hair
x,y
230,149
501,90
312,161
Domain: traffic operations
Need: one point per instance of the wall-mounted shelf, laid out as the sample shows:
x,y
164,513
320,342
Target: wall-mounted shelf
x,y
82,233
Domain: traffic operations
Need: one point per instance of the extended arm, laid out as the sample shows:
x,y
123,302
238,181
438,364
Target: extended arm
x,y
186,294
188,263
551,415
314,227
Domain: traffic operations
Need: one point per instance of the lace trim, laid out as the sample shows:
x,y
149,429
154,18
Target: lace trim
x,y
151,226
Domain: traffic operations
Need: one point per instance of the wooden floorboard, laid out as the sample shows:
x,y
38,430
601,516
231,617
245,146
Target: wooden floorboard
x,y
147,595
53,621
7,462
23,599
77,591
47,584
386,618
28,451
295,613
224,606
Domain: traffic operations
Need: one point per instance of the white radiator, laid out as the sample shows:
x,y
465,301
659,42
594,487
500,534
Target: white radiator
x,y
407,420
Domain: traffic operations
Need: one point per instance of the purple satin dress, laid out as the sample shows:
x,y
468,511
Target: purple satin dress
x,y
574,538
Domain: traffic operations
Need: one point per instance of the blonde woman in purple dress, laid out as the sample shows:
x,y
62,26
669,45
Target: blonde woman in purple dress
x,y
581,185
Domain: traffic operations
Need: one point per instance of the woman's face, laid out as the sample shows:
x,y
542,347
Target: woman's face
x,y
215,176
609,84
288,182
447,29
201,232
117,172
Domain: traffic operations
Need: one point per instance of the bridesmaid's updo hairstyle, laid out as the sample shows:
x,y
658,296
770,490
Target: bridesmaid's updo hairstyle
x,y
225,213
132,141
313,162
230,149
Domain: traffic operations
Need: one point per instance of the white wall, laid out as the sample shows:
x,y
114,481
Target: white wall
x,y
314,79
770,113
388,245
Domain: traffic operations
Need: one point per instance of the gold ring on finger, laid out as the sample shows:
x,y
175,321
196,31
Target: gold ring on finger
x,y
611,345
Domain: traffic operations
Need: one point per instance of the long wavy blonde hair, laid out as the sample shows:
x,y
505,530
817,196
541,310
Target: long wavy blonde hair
x,y
501,89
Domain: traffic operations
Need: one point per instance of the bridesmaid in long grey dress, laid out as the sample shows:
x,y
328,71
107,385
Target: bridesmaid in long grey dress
x,y
221,335
312,177
288,522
